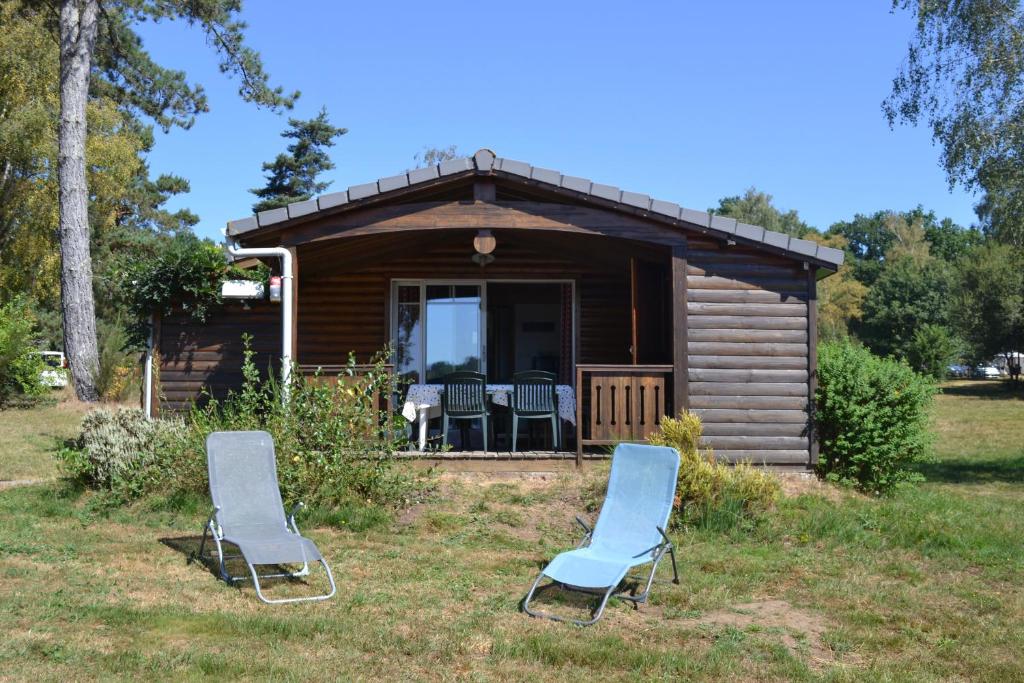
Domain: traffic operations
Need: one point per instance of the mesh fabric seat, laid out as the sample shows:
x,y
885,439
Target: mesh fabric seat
x,y
248,511
630,529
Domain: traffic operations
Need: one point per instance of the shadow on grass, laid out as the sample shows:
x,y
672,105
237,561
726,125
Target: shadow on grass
x,y
1006,470
998,390
188,546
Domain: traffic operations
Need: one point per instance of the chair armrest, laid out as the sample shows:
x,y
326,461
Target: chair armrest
x,y
212,522
668,541
291,516
588,531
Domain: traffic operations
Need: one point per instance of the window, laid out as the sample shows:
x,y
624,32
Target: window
x,y
442,327
408,332
454,318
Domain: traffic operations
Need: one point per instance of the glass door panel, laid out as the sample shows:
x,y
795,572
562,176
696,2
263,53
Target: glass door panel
x,y
408,333
453,324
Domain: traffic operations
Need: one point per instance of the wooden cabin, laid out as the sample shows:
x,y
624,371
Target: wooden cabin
x,y
640,307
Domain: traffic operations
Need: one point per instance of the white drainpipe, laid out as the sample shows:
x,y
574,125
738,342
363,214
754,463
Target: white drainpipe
x,y
286,301
147,396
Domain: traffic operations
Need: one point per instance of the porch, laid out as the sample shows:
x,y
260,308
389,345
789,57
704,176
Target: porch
x,y
595,312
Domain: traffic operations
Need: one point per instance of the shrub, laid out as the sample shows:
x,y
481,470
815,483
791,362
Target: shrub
x,y
19,366
709,493
116,369
185,276
125,453
335,447
872,418
932,349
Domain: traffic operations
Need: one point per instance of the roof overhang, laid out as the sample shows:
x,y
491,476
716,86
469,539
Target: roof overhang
x,y
485,163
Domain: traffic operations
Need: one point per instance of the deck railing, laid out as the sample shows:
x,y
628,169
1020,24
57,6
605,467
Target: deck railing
x,y
334,374
618,403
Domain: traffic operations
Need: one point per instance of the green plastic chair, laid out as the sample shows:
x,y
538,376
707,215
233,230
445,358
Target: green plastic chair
x,y
464,399
534,398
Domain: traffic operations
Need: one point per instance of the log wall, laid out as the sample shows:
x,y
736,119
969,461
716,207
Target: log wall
x,y
748,347
207,357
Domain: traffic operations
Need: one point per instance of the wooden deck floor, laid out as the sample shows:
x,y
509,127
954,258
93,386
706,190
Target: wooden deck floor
x,y
500,461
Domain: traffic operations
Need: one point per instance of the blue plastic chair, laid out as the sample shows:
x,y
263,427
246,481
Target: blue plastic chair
x,y
630,530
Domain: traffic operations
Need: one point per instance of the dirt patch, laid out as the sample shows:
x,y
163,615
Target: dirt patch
x,y
11,483
805,483
801,631
409,515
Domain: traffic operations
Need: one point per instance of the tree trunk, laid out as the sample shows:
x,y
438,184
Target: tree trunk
x,y
77,39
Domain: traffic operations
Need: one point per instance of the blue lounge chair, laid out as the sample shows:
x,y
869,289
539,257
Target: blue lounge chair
x,y
630,530
248,512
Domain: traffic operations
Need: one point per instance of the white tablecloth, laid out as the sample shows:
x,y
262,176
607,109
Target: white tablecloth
x,y
427,396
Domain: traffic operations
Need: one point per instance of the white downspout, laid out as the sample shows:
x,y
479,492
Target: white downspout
x,y
147,395
286,302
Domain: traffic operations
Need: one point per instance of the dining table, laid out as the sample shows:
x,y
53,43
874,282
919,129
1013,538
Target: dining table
x,y
423,402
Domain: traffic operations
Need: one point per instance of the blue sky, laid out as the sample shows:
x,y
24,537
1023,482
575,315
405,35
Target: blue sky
x,y
685,101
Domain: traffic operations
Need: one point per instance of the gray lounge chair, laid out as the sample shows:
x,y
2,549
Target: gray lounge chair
x,y
248,512
630,530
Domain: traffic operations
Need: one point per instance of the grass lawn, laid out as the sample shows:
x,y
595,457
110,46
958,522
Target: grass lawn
x,y
927,585
30,437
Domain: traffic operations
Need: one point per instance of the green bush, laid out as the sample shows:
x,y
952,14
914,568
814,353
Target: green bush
x,y
335,447
185,276
932,349
872,417
19,366
709,493
124,453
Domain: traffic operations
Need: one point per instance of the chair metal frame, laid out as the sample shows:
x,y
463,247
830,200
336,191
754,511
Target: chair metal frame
x,y
657,552
214,530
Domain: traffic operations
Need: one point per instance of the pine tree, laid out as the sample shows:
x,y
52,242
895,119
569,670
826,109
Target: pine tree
x,y
101,55
292,176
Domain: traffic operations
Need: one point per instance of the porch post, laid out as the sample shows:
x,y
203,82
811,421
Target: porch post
x,y
680,361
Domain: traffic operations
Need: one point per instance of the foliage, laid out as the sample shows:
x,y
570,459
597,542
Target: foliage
x,y
334,442
755,207
335,447
124,453
871,239
988,306
907,295
964,76
840,296
431,156
292,176
710,493
29,113
872,416
117,364
932,349
186,275
124,71
19,367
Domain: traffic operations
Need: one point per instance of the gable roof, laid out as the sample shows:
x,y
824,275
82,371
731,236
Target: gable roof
x,y
484,162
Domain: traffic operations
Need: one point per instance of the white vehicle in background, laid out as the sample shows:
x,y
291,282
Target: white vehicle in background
x,y
987,372
55,375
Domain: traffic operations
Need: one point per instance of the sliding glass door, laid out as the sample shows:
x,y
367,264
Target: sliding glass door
x,y
438,329
496,328
454,324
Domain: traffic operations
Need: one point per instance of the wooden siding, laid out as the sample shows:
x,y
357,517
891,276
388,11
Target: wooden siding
x,y
748,333
344,301
208,356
